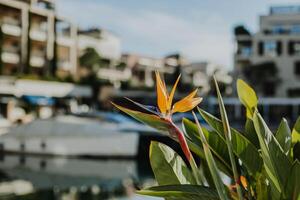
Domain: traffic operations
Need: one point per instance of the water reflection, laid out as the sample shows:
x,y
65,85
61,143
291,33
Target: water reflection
x,y
59,178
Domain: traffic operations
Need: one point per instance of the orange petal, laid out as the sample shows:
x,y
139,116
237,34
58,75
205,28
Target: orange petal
x,y
244,181
186,104
170,99
190,96
162,97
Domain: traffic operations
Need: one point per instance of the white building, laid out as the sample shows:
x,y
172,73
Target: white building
x,y
277,42
33,40
200,74
108,47
143,69
107,44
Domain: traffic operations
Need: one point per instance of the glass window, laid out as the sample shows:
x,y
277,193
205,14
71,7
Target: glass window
x,y
278,29
270,48
297,48
295,29
297,68
246,51
294,47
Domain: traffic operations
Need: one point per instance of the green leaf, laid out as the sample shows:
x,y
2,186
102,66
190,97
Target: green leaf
x,y
195,148
250,133
181,192
151,120
168,167
247,96
296,132
212,164
283,136
261,187
242,147
228,137
216,144
276,163
296,151
293,184
204,170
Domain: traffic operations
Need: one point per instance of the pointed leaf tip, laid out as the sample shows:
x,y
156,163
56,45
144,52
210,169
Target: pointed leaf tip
x,y
151,120
247,96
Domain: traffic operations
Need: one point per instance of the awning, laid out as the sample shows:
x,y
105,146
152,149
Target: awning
x,y
39,100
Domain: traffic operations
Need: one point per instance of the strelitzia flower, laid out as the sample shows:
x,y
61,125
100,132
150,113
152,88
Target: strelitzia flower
x,y
164,101
162,119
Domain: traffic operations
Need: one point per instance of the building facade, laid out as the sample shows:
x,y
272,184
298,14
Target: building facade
x,y
107,46
34,40
275,46
200,75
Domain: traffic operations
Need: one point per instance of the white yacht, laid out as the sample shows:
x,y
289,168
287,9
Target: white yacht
x,y
4,125
71,135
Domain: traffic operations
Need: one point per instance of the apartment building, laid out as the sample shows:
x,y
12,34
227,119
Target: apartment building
x,y
107,46
143,68
106,43
200,75
34,40
276,44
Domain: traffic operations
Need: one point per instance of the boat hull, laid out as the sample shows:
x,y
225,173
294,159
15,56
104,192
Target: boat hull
x,y
115,145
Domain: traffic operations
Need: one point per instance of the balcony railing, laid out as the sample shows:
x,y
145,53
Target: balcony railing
x,y
113,74
11,21
37,61
64,64
10,26
38,34
10,57
64,40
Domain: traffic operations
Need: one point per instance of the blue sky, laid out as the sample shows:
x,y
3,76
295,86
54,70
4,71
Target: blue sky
x,y
200,29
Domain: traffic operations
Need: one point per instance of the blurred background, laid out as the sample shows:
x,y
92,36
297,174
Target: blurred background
x,y
62,62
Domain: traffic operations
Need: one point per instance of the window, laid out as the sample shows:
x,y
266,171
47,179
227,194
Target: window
x,y
294,48
295,29
295,92
269,89
270,48
297,68
246,51
278,29
260,48
279,48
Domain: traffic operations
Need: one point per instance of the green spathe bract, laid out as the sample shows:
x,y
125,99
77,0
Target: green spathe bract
x,y
260,164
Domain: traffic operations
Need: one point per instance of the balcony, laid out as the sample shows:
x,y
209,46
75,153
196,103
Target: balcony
x,y
243,37
114,74
10,57
64,40
38,35
38,31
64,65
10,54
10,26
37,61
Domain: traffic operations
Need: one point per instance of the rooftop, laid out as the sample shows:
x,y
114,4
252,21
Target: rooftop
x,y
285,10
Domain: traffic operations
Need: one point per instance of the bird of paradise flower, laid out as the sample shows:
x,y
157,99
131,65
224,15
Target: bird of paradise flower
x,y
162,119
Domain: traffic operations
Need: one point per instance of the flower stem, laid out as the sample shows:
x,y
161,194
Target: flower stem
x,y
185,148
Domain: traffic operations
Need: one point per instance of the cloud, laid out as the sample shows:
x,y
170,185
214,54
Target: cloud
x,y
203,36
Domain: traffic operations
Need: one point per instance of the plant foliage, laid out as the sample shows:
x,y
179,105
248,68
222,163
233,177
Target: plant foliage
x,y
258,163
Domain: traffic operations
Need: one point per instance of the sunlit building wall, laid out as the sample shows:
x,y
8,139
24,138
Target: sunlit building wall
x,y
32,42
278,42
108,46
